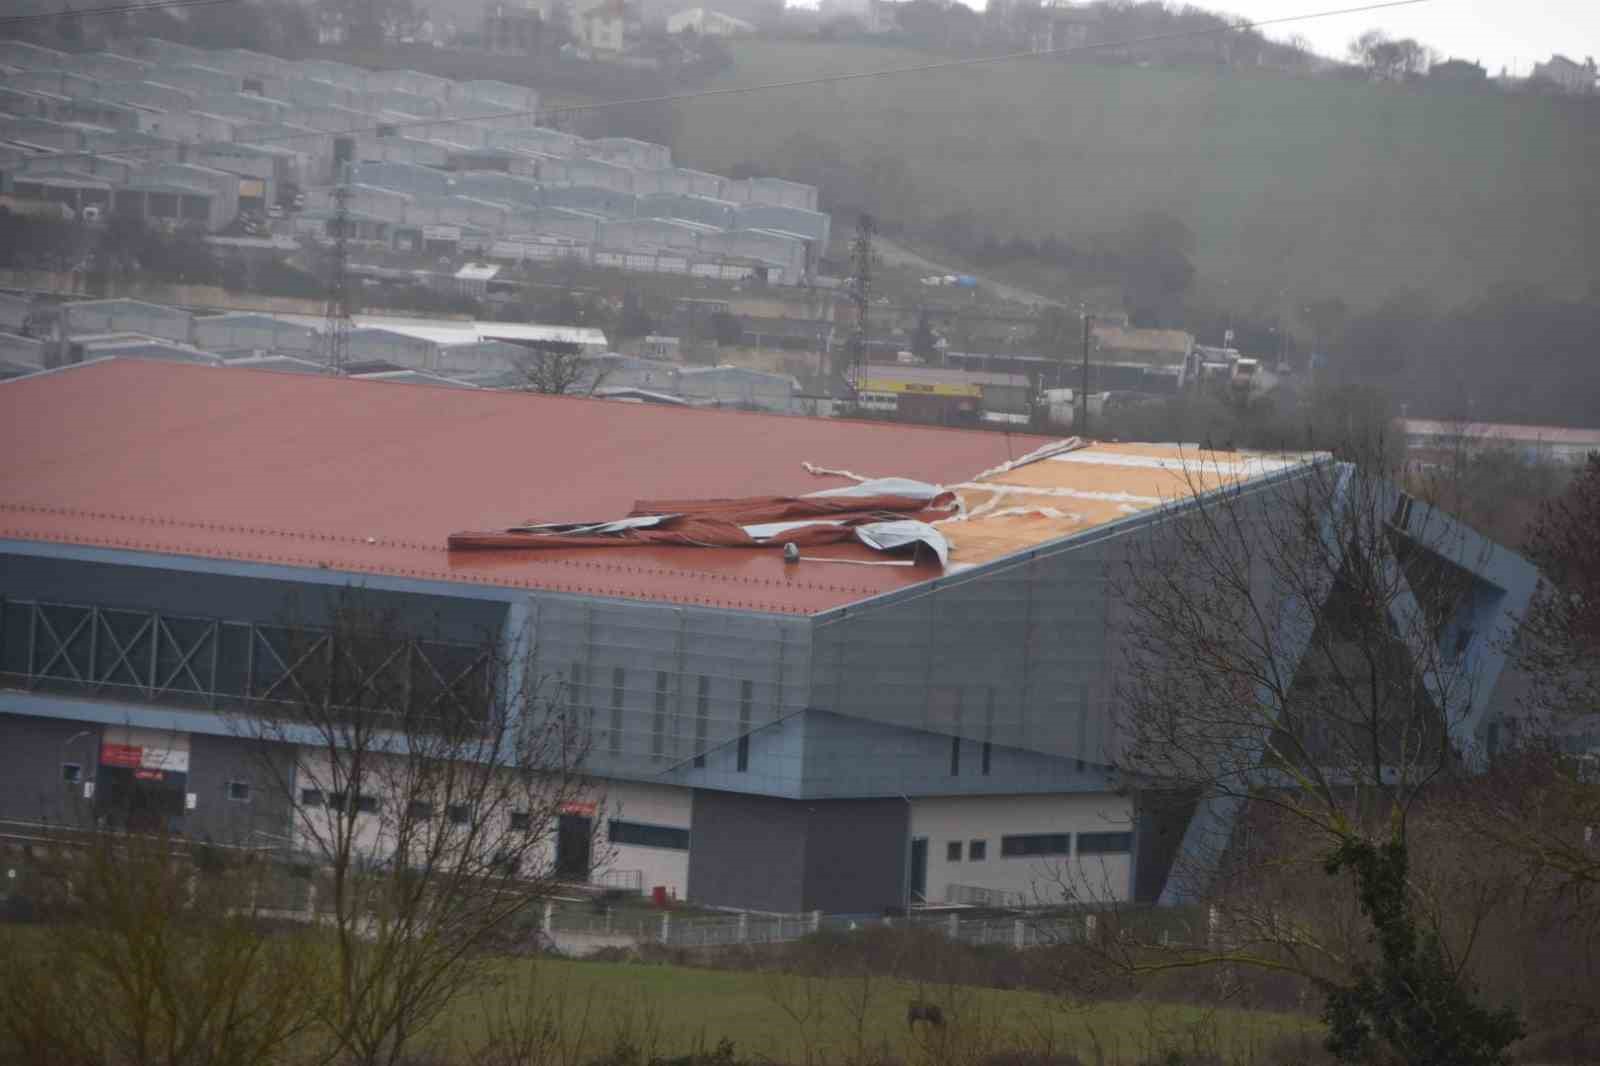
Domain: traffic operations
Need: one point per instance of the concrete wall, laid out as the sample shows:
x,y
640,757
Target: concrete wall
x,y
647,804
947,821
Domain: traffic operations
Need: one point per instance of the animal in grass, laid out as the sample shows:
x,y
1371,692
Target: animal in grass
x,y
920,1010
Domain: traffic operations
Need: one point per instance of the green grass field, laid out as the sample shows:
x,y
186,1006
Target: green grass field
x,y
670,1010
1297,189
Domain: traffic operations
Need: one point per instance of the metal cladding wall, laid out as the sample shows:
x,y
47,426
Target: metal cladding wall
x,y
1016,654
855,858
262,817
837,856
1021,653
749,852
662,685
31,788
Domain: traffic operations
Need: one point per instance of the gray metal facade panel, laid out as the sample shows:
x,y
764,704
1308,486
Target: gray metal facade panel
x,y
31,787
855,855
261,820
749,852
1017,654
682,684
852,757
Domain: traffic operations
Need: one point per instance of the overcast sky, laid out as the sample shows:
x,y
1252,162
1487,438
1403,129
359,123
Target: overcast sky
x,y
1496,33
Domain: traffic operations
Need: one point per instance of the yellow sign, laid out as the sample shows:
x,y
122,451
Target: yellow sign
x,y
919,388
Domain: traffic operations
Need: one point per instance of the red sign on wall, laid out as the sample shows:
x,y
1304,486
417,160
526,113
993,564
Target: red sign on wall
x,y
582,810
120,755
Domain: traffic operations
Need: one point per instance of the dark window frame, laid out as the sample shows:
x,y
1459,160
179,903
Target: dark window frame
x,y
647,835
746,699
953,850
1035,845
978,850
238,791
72,773
1106,843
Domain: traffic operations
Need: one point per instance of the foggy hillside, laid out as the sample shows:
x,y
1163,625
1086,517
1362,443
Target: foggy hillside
x,y
1296,188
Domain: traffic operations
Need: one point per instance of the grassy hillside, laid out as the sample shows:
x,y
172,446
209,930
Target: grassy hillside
x,y
1296,189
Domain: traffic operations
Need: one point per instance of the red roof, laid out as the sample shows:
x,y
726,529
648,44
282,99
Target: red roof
x,y
371,477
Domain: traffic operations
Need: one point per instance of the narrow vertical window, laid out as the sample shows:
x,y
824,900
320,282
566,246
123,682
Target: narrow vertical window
x,y
658,726
955,756
745,691
619,678
702,716
987,749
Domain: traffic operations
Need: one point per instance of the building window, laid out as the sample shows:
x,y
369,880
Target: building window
x,y
365,804
1105,843
658,727
955,756
419,810
648,836
239,791
311,797
746,689
977,850
1018,847
702,719
521,822
460,814
72,773
987,750
618,681
952,851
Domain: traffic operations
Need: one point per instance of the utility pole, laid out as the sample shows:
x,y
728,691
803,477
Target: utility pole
x,y
1088,321
336,324
861,295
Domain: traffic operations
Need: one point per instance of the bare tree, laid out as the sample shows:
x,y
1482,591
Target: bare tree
x,y
1389,59
153,950
1296,666
555,368
427,788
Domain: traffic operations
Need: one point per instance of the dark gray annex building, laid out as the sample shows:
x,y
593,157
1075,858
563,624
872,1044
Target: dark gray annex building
x,y
846,731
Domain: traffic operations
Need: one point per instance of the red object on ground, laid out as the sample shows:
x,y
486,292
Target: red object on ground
x,y
658,896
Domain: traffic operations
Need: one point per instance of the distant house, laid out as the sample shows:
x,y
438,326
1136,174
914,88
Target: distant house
x,y
604,26
708,23
1567,75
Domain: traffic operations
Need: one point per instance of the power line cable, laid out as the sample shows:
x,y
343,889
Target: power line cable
x,y
121,9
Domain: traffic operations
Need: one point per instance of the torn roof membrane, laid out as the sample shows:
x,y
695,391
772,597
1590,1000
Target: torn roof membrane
x,y
1054,491
889,521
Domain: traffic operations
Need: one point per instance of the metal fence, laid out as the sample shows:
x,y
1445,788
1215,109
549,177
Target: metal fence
x,y
579,928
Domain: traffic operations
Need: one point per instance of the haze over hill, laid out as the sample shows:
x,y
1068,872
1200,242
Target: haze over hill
x,y
1297,189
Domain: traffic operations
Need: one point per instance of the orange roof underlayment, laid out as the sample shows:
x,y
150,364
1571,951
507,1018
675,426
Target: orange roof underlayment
x,y
369,477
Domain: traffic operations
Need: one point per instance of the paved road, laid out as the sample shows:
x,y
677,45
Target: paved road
x,y
893,254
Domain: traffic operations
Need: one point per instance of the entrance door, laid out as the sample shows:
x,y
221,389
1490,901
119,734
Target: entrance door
x,y
574,836
919,870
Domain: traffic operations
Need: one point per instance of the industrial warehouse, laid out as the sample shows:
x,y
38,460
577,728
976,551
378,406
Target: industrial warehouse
x,y
882,679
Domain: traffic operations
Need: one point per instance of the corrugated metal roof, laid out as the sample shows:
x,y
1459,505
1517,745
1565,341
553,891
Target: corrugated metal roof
x,y
319,472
